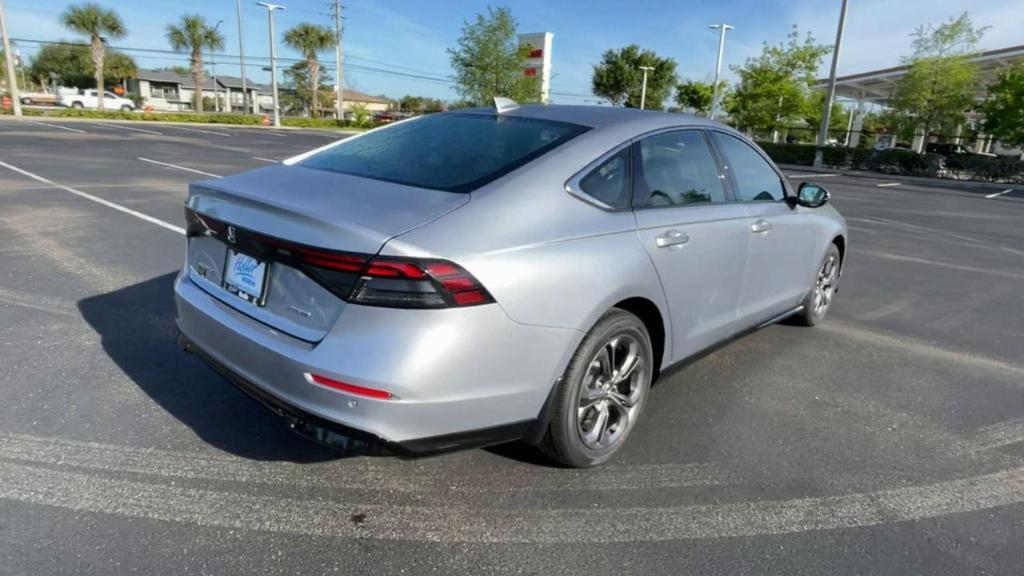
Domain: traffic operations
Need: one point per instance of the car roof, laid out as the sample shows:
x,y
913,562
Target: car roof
x,y
599,116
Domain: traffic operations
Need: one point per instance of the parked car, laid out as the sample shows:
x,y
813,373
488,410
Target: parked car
x,y
949,150
485,275
90,99
37,98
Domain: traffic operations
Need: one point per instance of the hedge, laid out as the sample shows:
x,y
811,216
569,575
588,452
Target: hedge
x,y
204,118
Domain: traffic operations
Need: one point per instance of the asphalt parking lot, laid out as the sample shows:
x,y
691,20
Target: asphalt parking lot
x,y
889,440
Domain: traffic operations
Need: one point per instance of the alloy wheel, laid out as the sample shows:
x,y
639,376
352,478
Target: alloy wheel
x,y
611,392
825,286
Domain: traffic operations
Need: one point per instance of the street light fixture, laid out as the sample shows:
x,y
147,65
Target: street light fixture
x,y
273,58
723,28
643,88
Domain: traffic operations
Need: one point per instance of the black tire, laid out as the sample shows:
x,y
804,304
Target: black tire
x,y
126,108
78,105
812,314
26,101
564,440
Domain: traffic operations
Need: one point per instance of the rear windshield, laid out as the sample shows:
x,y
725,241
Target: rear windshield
x,y
453,152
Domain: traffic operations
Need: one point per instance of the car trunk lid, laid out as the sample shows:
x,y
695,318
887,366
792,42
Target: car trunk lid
x,y
298,207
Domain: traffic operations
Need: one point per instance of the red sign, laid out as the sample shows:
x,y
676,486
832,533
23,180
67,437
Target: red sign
x,y
537,53
530,72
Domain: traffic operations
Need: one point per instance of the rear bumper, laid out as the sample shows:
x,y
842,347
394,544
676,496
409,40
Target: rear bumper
x,y
459,377
337,435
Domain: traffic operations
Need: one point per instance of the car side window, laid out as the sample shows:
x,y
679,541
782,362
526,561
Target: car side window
x,y
755,179
109,95
610,181
677,168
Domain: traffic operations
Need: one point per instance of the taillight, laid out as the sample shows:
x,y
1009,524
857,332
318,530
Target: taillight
x,y
410,283
358,278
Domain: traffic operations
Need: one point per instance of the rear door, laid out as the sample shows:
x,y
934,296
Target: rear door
x,y
780,263
695,237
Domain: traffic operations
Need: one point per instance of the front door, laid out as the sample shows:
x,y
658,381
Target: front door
x,y
696,239
780,267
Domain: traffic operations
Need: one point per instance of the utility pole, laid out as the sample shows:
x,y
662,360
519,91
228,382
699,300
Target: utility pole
x,y
643,88
213,69
339,84
826,116
722,28
241,59
12,81
273,59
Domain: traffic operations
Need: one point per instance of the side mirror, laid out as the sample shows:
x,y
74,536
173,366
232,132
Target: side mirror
x,y
811,195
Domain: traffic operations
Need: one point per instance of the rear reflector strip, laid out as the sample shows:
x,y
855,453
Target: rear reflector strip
x,y
349,388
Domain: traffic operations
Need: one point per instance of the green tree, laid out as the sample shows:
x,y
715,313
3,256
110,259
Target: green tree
x,y
774,87
488,60
120,67
1004,108
299,94
619,79
696,96
941,81
98,24
838,120
309,40
194,34
420,104
72,63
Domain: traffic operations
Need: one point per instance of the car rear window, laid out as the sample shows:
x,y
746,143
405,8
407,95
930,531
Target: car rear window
x,y
455,152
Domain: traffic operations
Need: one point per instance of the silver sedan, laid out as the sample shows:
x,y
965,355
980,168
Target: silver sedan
x,y
487,275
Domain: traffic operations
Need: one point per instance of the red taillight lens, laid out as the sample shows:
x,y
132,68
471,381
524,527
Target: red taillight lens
x,y
350,388
413,283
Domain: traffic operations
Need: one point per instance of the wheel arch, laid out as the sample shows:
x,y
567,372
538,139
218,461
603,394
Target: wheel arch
x,y
648,313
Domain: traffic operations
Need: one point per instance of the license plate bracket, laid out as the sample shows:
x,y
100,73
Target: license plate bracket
x,y
246,277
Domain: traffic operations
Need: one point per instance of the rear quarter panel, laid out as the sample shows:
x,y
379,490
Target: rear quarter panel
x,y
548,258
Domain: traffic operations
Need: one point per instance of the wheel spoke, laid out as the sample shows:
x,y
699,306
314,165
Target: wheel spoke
x,y
628,366
621,401
593,436
605,359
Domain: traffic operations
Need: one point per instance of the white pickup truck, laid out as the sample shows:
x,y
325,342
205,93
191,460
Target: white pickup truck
x,y
89,99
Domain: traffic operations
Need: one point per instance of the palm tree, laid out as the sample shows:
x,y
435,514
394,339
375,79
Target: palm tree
x,y
98,24
121,67
309,39
194,34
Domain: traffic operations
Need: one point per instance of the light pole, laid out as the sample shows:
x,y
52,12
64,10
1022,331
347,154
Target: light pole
x,y
339,81
12,83
643,88
826,116
241,58
722,28
273,59
213,69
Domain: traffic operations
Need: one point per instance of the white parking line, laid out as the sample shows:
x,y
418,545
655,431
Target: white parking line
x,y
998,194
56,126
888,184
130,128
271,160
203,131
825,175
168,165
96,199
276,134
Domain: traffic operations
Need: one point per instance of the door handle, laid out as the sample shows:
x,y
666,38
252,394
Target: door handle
x,y
672,238
761,226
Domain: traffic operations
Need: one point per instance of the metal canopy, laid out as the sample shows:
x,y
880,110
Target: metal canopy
x,y
877,86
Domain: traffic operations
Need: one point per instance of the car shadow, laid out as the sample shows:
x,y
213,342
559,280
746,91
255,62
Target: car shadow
x,y
136,325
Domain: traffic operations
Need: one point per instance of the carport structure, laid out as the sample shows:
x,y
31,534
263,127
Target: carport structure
x,y
876,87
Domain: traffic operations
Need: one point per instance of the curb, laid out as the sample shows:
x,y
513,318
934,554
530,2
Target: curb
x,y
12,118
935,182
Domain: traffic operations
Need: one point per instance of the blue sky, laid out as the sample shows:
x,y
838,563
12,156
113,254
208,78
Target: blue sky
x,y
410,37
